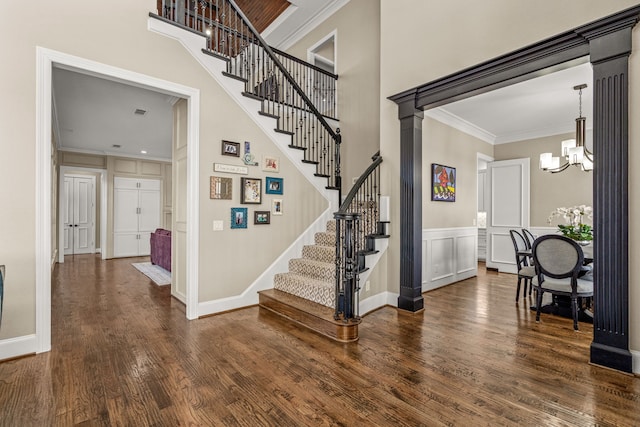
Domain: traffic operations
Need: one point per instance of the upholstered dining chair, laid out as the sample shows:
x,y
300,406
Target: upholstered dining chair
x,y
525,271
528,237
558,263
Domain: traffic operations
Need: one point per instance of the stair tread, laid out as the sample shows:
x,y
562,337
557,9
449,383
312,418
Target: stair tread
x,y
273,116
233,76
216,55
286,132
307,279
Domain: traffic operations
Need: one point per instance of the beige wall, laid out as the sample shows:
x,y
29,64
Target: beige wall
x,y
425,40
549,190
358,69
229,260
447,146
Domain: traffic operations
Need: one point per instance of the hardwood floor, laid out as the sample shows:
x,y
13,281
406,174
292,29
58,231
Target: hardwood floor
x,y
124,354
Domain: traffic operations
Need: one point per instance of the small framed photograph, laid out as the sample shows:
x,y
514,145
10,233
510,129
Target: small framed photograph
x,y
276,206
238,217
251,191
274,185
230,148
271,164
262,217
443,183
221,188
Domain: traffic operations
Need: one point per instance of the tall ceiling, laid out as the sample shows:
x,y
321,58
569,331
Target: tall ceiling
x,y
96,115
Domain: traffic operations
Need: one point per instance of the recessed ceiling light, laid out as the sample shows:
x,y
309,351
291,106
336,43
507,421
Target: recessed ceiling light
x,y
140,112
116,145
143,151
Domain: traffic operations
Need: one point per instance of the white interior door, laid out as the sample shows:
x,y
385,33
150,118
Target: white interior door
x,y
508,208
78,212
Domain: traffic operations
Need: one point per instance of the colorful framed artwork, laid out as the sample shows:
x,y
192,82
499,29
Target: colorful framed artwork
x,y
238,217
230,148
270,164
221,188
251,191
276,206
262,217
443,183
274,185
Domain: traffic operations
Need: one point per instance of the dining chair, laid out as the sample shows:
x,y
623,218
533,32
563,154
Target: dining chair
x,y
558,263
525,271
529,238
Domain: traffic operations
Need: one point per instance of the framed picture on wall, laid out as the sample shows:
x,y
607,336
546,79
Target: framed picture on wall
x,y
274,185
443,183
261,217
230,148
276,207
239,218
251,191
221,188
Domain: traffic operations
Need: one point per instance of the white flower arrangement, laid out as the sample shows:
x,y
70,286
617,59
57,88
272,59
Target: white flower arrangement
x,y
574,216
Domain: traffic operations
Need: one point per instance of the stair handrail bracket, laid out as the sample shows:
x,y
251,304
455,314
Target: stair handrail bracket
x,y
297,94
357,225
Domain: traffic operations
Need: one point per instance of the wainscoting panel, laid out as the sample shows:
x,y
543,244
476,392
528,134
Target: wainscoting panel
x,y
448,256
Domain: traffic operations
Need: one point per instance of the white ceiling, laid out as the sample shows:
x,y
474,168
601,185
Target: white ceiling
x,y
93,114
535,108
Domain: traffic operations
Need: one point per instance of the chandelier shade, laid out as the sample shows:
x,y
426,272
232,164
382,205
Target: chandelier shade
x,y
573,151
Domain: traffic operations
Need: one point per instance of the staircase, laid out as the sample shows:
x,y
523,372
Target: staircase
x,y
319,290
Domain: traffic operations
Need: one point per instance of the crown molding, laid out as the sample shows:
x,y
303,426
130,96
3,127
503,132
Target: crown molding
x,y
462,125
311,24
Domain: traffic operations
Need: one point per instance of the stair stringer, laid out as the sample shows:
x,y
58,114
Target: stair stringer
x,y
265,281
384,298
194,43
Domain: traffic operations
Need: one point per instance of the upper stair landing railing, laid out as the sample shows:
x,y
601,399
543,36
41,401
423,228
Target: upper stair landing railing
x,y
297,94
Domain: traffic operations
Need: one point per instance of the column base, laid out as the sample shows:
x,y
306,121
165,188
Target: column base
x,y
411,304
611,357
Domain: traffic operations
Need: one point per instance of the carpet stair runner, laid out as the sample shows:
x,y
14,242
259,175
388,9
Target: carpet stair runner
x,y
306,293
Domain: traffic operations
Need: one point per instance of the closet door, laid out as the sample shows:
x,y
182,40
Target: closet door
x,y
125,218
78,212
149,213
137,208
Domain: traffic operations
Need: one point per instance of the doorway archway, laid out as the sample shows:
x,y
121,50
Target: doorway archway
x,y
607,43
46,60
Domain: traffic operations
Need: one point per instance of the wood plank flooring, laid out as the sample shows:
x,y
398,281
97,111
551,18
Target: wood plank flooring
x,y
125,355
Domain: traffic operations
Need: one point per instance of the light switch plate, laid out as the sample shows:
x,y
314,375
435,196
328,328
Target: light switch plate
x,y
218,225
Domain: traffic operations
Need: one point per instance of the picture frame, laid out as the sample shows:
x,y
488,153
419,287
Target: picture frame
x,y
239,218
274,185
230,148
443,183
276,207
251,191
270,164
220,188
262,217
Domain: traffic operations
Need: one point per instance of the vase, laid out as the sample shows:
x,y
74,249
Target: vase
x,y
583,242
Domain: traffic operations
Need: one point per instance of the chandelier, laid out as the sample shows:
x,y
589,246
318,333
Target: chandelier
x,y
574,151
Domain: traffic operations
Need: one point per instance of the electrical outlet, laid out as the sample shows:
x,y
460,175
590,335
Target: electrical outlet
x,y
367,286
218,225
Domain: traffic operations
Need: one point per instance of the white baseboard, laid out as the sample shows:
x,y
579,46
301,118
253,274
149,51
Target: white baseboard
x,y
19,346
377,301
635,362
